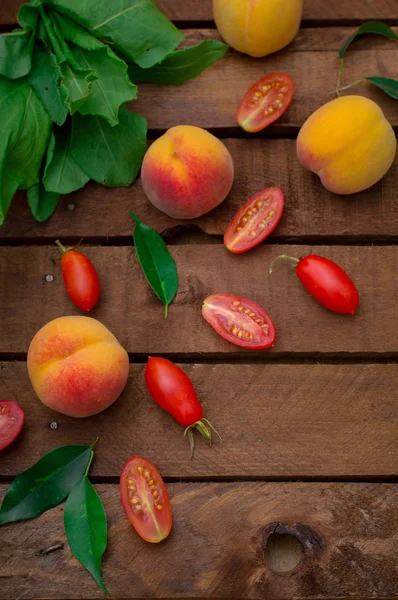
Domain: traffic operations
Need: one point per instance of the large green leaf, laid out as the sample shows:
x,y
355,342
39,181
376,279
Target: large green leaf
x,y
45,77
109,155
86,527
46,484
390,86
135,27
42,203
181,65
158,265
375,27
62,175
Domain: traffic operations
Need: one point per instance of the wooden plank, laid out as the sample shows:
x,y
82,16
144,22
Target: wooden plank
x,y
310,210
315,11
216,547
130,308
276,421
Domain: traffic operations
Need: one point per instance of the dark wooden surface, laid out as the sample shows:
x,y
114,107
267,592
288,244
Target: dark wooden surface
x,y
309,428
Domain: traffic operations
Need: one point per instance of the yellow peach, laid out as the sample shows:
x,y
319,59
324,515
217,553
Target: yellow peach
x,y
187,172
258,27
349,143
76,366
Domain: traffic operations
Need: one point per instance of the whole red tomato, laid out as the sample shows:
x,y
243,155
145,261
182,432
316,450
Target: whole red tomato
x,y
80,278
173,391
326,282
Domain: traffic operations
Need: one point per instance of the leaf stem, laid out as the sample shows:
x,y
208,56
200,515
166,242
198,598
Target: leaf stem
x,y
61,247
341,67
65,48
51,35
89,463
166,311
347,87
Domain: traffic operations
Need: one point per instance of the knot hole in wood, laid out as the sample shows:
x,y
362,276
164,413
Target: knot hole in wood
x,y
286,546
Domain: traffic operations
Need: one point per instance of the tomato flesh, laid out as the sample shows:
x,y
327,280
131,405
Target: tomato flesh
x,y
265,101
255,220
80,279
12,418
329,284
173,391
145,500
239,321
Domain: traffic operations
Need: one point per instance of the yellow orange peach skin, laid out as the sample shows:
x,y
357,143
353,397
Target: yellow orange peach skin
x,y
187,172
76,366
349,143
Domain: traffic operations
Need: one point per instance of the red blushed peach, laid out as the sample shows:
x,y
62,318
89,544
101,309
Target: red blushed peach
x,y
187,172
76,366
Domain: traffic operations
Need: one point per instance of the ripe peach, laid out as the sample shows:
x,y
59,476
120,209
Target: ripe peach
x,y
76,366
187,172
349,143
258,27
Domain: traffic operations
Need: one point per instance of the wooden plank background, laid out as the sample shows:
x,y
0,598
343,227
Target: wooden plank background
x,y
300,423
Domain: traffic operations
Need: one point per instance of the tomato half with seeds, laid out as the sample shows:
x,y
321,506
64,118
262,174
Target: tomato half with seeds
x,y
239,321
255,220
12,418
265,102
145,500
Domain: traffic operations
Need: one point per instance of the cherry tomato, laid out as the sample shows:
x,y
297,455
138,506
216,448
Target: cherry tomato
x,y
239,321
12,418
265,102
327,283
173,391
255,220
80,278
145,500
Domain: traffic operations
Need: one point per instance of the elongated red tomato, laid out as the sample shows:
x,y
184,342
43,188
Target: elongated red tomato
x,y
239,321
12,418
327,283
80,278
145,500
255,220
265,101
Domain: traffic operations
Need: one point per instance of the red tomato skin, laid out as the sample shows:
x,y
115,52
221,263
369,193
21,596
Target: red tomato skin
x,y
270,200
173,391
255,118
222,311
135,495
80,279
12,418
329,284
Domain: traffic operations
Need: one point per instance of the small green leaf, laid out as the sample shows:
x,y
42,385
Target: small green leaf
x,y
62,175
158,265
109,155
181,65
375,27
44,485
16,53
42,203
77,85
86,527
390,86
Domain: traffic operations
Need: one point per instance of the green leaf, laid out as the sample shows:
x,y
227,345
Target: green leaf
x,y
369,27
181,65
16,53
76,85
45,77
390,86
86,527
109,155
42,203
158,265
44,485
134,27
62,175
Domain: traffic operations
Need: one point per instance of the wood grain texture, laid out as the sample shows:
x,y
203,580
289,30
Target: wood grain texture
x,y
310,210
330,11
215,549
276,421
131,310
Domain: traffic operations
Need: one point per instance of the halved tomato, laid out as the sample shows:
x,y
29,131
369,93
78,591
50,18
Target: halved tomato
x,y
12,418
145,500
239,321
265,102
255,220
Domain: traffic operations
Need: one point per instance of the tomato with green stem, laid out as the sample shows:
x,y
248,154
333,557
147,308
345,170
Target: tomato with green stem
x,y
326,282
145,500
173,391
12,418
80,278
